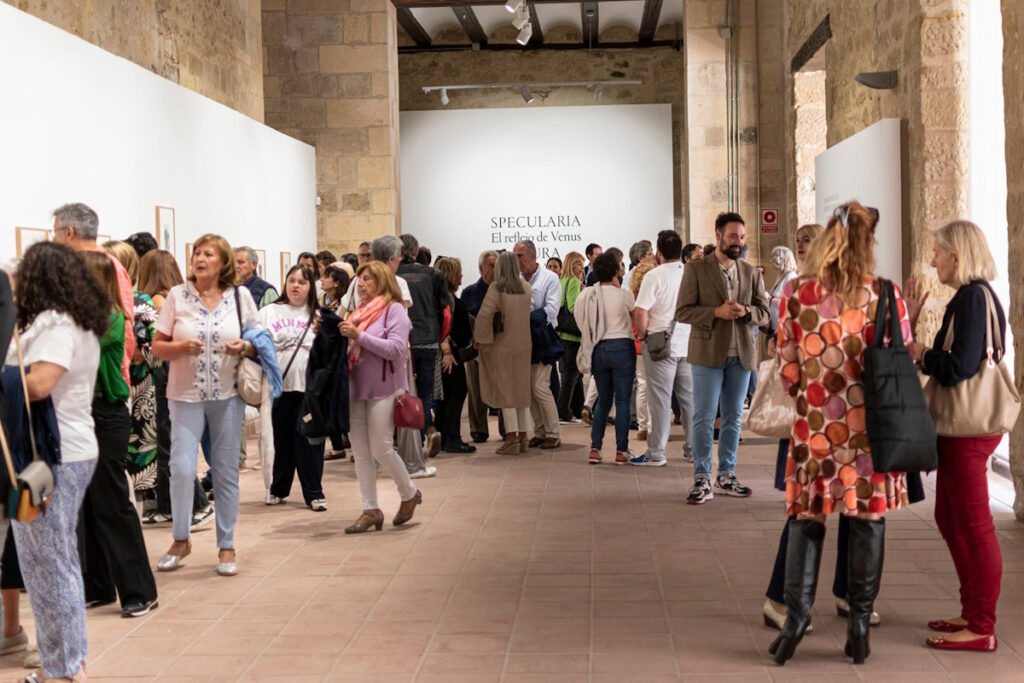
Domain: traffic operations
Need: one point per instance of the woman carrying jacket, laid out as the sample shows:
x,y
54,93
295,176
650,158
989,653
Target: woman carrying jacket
x,y
502,334
962,259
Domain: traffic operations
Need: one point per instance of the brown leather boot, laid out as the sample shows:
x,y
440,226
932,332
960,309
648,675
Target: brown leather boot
x,y
366,521
511,445
406,509
524,441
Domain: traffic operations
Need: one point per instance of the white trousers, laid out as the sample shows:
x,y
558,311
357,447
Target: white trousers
x,y
371,431
643,415
516,419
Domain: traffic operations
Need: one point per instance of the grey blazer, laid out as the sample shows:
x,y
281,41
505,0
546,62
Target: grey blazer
x,y
702,290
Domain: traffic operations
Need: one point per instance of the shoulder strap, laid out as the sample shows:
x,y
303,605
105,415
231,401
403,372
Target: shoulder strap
x,y
28,403
8,461
238,310
993,337
880,312
296,351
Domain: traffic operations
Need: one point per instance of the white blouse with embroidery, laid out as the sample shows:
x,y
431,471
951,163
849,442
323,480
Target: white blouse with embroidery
x,y
210,376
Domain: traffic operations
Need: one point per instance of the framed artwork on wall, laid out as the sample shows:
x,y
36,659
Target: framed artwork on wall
x,y
286,263
188,259
261,266
165,237
26,237
103,239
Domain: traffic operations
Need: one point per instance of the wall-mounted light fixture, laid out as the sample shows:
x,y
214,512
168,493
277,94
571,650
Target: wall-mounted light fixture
x,y
878,80
525,33
527,95
525,89
444,97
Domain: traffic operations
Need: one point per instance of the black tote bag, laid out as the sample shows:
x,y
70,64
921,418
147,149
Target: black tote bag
x,y
900,428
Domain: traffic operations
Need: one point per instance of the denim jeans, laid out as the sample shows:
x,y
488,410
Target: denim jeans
x,y
613,364
727,384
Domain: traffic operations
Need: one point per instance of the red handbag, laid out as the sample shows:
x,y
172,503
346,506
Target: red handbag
x,y
408,412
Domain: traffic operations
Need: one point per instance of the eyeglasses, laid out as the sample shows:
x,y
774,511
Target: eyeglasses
x,y
843,214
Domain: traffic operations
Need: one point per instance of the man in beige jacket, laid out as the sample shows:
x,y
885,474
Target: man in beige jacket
x,y
723,300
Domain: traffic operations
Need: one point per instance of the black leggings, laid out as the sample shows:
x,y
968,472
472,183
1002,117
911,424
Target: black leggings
x,y
292,452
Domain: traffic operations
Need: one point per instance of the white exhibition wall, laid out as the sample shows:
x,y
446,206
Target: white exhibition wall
x,y
80,124
866,167
562,176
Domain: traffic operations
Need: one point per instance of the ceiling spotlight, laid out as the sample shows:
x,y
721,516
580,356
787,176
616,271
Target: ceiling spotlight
x,y
527,95
512,5
522,16
525,34
444,97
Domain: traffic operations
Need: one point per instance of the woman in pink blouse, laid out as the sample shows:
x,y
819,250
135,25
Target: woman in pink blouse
x,y
378,333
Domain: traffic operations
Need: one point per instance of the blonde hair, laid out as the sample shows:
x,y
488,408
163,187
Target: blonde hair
x,y
812,229
843,255
226,277
571,259
387,285
127,255
967,242
451,268
637,276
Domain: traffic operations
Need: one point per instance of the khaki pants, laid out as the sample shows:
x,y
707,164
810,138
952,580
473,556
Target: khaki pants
x,y
477,409
542,403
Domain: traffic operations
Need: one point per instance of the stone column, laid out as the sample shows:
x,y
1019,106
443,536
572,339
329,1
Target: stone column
x,y
331,80
1013,97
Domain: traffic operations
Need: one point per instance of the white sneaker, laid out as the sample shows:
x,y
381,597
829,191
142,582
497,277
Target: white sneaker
x,y
425,473
272,499
318,505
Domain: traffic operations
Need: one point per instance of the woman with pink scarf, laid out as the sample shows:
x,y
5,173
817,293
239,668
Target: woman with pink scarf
x,y
378,333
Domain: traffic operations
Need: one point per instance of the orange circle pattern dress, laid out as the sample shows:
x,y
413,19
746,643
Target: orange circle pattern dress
x,y
821,350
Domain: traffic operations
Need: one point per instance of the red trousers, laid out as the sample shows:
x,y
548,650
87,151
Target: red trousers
x,y
965,521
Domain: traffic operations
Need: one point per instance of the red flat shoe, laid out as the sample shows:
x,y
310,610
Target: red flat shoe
x,y
943,626
983,644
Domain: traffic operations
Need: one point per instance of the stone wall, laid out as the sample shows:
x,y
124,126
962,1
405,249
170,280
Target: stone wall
x,y
1013,97
661,71
810,136
331,80
212,48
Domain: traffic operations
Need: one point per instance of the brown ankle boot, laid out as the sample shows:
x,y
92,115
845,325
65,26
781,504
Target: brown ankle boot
x,y
366,521
511,445
406,509
524,442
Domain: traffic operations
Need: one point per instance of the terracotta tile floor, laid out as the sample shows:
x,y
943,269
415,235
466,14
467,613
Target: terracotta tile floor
x,y
533,568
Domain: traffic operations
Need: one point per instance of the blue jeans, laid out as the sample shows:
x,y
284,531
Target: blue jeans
x,y
613,365
423,361
187,423
726,384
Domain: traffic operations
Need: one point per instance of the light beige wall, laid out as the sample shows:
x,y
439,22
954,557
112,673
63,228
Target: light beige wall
x,y
810,137
211,48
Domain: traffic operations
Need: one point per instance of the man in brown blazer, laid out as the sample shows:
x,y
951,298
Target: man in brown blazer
x,y
723,300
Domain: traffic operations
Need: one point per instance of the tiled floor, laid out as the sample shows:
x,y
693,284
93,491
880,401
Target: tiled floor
x,y
537,567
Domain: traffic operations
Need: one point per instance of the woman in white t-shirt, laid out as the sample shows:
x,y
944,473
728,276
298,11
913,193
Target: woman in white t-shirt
x,y
288,320
604,313
200,333
61,314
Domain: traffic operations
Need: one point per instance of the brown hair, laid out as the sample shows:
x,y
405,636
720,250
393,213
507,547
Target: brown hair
x,y
451,268
843,255
226,278
158,272
636,276
387,285
812,229
102,268
127,255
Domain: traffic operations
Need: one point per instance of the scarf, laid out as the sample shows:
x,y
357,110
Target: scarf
x,y
364,316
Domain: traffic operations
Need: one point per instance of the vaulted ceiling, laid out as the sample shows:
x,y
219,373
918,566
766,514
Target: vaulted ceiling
x,y
487,24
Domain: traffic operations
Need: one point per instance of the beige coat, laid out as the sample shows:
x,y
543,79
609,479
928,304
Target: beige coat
x,y
505,357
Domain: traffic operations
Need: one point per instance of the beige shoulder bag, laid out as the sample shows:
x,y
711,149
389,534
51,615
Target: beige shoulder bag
x,y
987,403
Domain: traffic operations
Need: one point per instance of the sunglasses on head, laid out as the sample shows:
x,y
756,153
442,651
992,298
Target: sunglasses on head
x,y
843,214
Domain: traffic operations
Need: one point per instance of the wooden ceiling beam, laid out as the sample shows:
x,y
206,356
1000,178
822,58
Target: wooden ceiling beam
x,y
649,23
413,27
452,3
470,24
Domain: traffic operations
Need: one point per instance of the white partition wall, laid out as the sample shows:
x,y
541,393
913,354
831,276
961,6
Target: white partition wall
x,y
561,176
80,124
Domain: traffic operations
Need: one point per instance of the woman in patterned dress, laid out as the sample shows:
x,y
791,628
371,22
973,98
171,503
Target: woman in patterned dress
x,y
825,322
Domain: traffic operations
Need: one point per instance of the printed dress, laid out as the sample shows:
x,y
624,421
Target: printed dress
x,y
821,347
141,462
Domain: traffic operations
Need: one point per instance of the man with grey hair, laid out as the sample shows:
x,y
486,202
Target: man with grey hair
x,y
77,225
546,296
473,297
246,262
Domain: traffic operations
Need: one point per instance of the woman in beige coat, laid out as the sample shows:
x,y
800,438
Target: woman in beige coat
x,y
502,334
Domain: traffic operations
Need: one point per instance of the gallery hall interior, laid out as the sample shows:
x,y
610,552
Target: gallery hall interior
x,y
520,341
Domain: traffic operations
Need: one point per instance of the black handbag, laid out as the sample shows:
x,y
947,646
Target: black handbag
x,y
566,320
900,428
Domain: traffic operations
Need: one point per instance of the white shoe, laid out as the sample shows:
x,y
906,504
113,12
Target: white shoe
x,y
16,643
272,499
318,505
425,473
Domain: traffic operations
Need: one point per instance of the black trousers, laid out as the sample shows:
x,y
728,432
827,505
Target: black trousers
x,y
163,454
10,569
449,409
570,380
293,453
113,552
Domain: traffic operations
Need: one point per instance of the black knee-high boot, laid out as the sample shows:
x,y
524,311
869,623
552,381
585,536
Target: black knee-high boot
x,y
802,561
867,553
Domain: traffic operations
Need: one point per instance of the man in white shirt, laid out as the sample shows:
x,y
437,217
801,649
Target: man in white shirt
x,y
655,319
546,294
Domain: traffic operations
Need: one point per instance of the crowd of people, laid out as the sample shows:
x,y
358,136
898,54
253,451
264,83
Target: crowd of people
x,y
145,371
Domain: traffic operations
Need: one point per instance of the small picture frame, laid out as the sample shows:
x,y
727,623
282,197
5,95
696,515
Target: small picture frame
x,y
188,259
286,264
103,239
261,265
165,229
26,237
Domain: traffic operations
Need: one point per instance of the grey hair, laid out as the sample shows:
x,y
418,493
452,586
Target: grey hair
x,y
250,255
410,246
386,248
364,244
639,250
507,275
486,255
783,259
530,247
80,217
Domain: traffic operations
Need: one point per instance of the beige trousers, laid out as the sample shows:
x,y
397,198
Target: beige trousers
x,y
542,404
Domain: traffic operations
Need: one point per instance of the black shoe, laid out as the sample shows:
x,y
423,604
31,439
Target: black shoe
x,y
136,608
864,574
209,496
803,558
493,412
458,446
633,426
479,437
100,602
206,483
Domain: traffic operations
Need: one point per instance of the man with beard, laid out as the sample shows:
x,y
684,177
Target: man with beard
x,y
723,299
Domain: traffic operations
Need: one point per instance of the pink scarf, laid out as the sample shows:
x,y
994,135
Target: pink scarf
x,y
364,316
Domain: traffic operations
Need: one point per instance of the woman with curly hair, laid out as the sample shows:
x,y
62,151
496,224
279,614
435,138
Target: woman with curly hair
x,y
61,315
